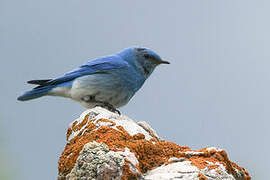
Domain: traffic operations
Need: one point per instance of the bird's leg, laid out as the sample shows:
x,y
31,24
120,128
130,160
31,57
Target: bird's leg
x,y
91,99
109,107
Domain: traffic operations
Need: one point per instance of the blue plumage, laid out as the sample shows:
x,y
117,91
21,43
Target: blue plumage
x,y
35,93
98,65
109,80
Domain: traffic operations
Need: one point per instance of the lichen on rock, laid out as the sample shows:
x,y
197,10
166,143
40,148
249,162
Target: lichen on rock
x,y
105,145
97,161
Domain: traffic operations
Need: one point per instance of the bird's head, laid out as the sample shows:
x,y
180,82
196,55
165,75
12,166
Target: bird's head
x,y
145,59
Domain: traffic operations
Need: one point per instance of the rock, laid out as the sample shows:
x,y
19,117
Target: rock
x,y
103,145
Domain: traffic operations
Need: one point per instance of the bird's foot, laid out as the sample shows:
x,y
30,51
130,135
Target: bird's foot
x,y
109,107
92,99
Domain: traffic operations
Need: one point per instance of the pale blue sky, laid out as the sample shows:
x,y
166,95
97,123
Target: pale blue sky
x,y
214,93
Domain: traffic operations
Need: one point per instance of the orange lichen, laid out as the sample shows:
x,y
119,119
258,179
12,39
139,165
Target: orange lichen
x,y
199,162
150,154
76,127
106,120
215,166
138,136
74,124
202,176
127,173
218,171
246,177
69,132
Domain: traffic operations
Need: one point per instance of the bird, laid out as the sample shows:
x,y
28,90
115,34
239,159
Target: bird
x,y
108,81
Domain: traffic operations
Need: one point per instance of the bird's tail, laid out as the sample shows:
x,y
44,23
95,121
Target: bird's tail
x,y
37,92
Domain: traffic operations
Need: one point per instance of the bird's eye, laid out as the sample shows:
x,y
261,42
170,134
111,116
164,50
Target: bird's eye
x,y
140,49
147,56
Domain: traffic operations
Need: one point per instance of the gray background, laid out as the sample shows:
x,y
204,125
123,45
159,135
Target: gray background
x,y
214,93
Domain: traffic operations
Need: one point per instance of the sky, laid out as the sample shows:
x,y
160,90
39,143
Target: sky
x,y
215,92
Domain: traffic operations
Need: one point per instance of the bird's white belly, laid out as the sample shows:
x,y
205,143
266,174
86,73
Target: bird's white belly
x,y
102,87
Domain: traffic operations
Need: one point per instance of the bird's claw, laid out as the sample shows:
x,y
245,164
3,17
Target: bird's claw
x,y
110,107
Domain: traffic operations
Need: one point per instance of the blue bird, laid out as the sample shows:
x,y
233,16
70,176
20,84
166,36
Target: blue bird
x,y
109,81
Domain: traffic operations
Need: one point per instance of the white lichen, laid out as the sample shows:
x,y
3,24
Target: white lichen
x,y
98,113
96,161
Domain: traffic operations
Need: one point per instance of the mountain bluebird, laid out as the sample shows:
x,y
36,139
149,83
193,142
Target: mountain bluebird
x,y
108,81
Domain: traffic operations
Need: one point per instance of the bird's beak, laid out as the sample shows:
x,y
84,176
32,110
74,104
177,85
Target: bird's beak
x,y
164,62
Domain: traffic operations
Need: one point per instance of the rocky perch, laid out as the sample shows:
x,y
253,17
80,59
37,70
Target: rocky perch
x,y
103,145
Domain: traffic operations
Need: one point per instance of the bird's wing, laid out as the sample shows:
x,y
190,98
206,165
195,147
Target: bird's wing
x,y
99,65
